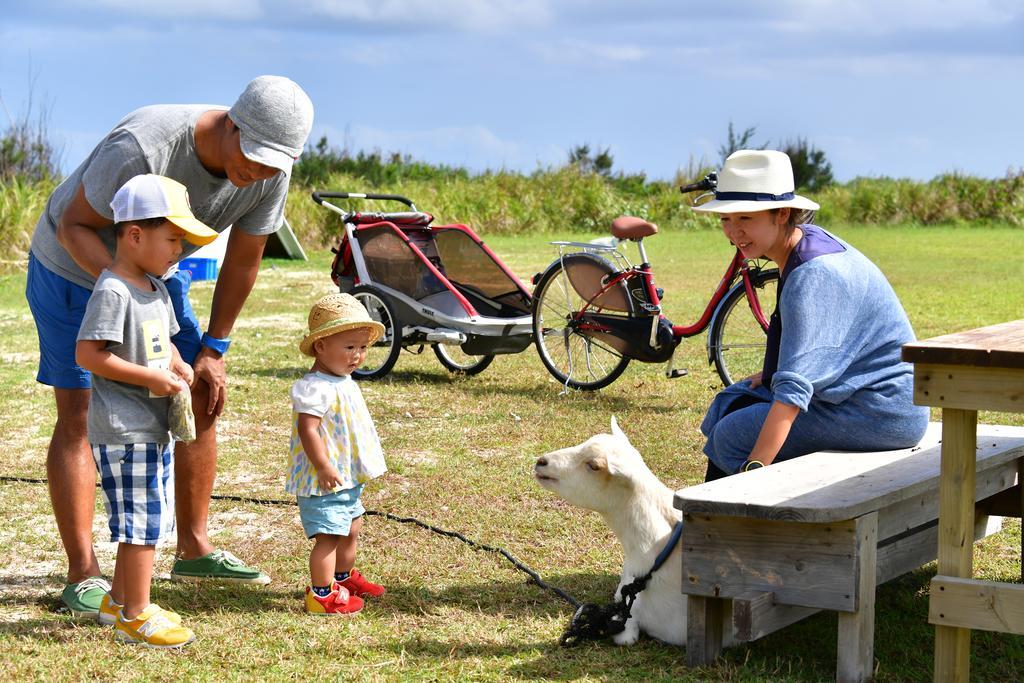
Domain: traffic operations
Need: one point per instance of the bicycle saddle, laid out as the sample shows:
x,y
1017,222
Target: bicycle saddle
x,y
632,228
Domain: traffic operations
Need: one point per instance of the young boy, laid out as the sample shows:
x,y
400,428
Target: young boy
x,y
125,342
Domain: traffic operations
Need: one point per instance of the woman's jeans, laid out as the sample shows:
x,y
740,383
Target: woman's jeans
x,y
869,420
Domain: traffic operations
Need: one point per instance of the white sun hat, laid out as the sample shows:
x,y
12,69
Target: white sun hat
x,y
755,180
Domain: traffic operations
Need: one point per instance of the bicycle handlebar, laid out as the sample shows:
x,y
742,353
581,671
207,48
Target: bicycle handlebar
x,y
709,182
319,197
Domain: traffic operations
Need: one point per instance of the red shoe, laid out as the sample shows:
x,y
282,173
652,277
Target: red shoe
x,y
357,585
338,601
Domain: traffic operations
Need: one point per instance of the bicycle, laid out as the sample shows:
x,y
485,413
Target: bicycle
x,y
594,311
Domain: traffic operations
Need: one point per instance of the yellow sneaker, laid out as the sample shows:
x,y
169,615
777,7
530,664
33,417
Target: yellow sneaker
x,y
110,609
152,628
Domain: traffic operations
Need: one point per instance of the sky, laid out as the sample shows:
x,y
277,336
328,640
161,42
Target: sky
x,y
899,88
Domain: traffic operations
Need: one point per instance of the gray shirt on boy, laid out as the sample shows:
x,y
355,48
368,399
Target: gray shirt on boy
x,y
156,139
137,326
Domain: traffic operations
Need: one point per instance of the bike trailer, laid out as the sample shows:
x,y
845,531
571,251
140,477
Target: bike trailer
x,y
436,285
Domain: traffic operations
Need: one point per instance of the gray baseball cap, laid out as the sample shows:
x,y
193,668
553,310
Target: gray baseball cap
x,y
274,116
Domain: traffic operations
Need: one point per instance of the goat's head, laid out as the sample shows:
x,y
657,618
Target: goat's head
x,y
599,474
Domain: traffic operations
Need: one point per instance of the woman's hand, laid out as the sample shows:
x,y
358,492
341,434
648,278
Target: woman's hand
x,y
755,380
328,477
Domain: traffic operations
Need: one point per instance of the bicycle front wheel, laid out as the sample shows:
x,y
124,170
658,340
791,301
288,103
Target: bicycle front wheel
x,y
574,359
736,342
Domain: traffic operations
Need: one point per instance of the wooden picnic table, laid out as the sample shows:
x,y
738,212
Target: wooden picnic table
x,y
962,373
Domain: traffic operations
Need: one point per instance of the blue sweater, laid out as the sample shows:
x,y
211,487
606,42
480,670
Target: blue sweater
x,y
842,330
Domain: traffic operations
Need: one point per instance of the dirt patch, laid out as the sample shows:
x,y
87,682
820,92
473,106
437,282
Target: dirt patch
x,y
26,357
420,457
270,323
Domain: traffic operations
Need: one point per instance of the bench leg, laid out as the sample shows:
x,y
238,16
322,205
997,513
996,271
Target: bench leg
x,y
705,622
1020,491
856,645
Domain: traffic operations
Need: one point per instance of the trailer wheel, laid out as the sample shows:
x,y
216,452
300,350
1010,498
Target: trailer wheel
x,y
457,361
382,356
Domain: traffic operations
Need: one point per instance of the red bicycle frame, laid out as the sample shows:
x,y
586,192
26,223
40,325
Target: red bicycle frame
x,y
738,265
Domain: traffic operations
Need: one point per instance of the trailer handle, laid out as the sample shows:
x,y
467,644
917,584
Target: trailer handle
x,y
318,197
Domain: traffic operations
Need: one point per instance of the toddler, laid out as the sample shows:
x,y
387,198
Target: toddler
x,y
334,451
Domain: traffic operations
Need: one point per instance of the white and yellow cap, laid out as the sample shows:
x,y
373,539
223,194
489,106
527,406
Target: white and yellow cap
x,y
156,196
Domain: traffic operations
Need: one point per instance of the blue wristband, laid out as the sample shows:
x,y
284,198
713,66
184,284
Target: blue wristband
x,y
219,345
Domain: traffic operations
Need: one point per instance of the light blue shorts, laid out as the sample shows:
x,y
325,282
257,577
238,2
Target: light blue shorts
x,y
138,490
332,514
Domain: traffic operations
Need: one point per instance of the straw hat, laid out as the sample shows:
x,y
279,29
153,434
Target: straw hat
x,y
336,313
755,180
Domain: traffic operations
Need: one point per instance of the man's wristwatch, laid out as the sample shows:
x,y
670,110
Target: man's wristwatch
x,y
751,465
214,344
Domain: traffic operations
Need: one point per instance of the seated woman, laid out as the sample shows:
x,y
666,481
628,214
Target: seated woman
x,y
832,376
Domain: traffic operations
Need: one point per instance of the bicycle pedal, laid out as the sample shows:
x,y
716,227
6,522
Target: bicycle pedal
x,y
676,373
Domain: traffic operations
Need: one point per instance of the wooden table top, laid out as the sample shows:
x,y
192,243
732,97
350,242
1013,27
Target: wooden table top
x,y
998,346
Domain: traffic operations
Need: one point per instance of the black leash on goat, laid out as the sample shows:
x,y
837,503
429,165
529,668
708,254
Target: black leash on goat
x,y
594,622
590,622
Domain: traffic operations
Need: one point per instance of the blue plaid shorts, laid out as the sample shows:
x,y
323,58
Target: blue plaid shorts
x,y
138,490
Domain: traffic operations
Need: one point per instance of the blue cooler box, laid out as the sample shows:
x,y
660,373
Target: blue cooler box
x,y
200,268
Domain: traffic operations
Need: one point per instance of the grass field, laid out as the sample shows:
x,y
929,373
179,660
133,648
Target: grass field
x,y
460,452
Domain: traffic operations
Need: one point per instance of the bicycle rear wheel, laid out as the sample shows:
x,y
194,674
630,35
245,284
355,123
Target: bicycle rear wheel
x,y
736,342
574,359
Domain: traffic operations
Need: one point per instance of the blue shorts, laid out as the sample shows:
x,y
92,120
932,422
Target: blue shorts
x,y
138,490
332,514
58,307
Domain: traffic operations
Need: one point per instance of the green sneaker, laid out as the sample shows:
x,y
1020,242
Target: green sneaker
x,y
83,598
220,565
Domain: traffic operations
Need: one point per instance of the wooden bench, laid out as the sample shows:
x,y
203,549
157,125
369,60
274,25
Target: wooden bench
x,y
764,549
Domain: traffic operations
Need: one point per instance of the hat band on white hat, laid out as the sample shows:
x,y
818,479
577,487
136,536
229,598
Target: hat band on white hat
x,y
754,196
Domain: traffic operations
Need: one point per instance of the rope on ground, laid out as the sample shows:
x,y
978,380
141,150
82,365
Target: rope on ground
x,y
534,576
590,621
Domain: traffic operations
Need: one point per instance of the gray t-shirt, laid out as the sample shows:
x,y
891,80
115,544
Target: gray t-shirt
x,y
157,139
137,326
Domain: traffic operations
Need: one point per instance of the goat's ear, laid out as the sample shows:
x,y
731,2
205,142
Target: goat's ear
x,y
618,432
614,465
601,463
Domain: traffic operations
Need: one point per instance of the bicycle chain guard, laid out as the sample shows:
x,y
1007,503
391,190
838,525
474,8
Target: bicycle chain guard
x,y
631,336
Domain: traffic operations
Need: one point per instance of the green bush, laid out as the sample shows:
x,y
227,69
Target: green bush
x,y
559,200
546,201
946,199
21,204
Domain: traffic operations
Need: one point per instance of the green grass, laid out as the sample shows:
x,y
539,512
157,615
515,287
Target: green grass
x,y
460,452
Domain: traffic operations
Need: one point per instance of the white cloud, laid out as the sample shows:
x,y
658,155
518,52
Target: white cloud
x,y
878,17
470,15
889,65
215,9
583,52
475,147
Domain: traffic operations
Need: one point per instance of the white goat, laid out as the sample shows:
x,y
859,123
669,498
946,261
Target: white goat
x,y
607,475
